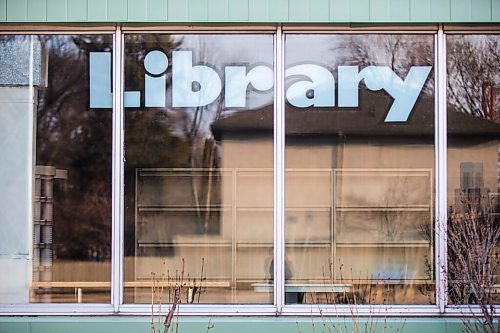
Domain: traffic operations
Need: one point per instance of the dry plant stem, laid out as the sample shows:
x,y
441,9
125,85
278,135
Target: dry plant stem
x,y
473,235
171,312
210,325
201,278
152,304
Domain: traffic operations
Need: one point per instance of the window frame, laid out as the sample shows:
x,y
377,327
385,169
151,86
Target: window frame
x,y
279,307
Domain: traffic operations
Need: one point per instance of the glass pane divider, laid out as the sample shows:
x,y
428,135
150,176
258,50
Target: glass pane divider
x,y
279,171
440,233
117,172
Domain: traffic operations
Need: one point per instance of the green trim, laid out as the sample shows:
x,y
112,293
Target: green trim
x,y
250,11
126,324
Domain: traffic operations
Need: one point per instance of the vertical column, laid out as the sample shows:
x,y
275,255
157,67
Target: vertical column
x,y
117,174
22,71
440,233
279,173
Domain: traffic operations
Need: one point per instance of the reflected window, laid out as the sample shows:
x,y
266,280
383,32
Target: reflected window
x,y
473,168
199,167
359,169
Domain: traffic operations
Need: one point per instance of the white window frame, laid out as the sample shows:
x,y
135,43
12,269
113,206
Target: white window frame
x,y
116,306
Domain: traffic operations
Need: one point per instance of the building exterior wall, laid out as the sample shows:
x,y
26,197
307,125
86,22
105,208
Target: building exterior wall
x,y
250,11
47,14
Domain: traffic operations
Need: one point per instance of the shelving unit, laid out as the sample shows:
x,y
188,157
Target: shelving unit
x,y
229,222
401,201
206,213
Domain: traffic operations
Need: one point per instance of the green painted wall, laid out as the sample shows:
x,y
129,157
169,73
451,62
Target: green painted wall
x,y
250,11
228,325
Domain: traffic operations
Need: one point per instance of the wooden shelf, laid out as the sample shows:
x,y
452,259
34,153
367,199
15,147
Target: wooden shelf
x,y
171,244
422,244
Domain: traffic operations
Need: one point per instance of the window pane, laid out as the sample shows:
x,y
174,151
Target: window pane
x,y
473,168
199,167
359,169
61,252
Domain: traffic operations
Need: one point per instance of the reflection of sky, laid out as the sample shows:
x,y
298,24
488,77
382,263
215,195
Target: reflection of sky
x,y
473,60
219,51
395,51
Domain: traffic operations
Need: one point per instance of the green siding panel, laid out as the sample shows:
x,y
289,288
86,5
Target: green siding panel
x,y
77,11
218,10
360,10
79,326
380,10
420,10
400,10
440,10
97,11
177,11
37,10
137,10
319,10
279,10
251,11
15,326
481,11
329,323
198,10
340,10
3,10
238,10
495,11
258,11
117,10
460,10
299,10
57,11
157,10
17,10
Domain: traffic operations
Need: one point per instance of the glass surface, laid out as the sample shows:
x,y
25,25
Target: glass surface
x,y
58,252
199,167
359,169
473,168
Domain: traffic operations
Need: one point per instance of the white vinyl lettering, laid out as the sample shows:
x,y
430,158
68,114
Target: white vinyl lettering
x,y
185,76
311,85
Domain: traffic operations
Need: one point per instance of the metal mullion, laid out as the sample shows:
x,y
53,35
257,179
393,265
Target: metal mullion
x,y
440,232
194,29
56,29
117,175
360,310
55,309
279,174
203,309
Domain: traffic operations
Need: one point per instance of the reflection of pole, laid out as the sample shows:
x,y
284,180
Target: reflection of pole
x,y
43,223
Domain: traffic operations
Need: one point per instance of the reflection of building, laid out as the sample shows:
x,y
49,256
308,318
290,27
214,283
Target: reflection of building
x,y
359,192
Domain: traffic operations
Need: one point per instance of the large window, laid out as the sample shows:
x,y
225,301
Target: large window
x,y
56,152
359,169
199,166
260,171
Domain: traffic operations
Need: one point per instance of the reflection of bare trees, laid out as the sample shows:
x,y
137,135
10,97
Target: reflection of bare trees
x,y
167,137
74,138
473,238
473,63
399,52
